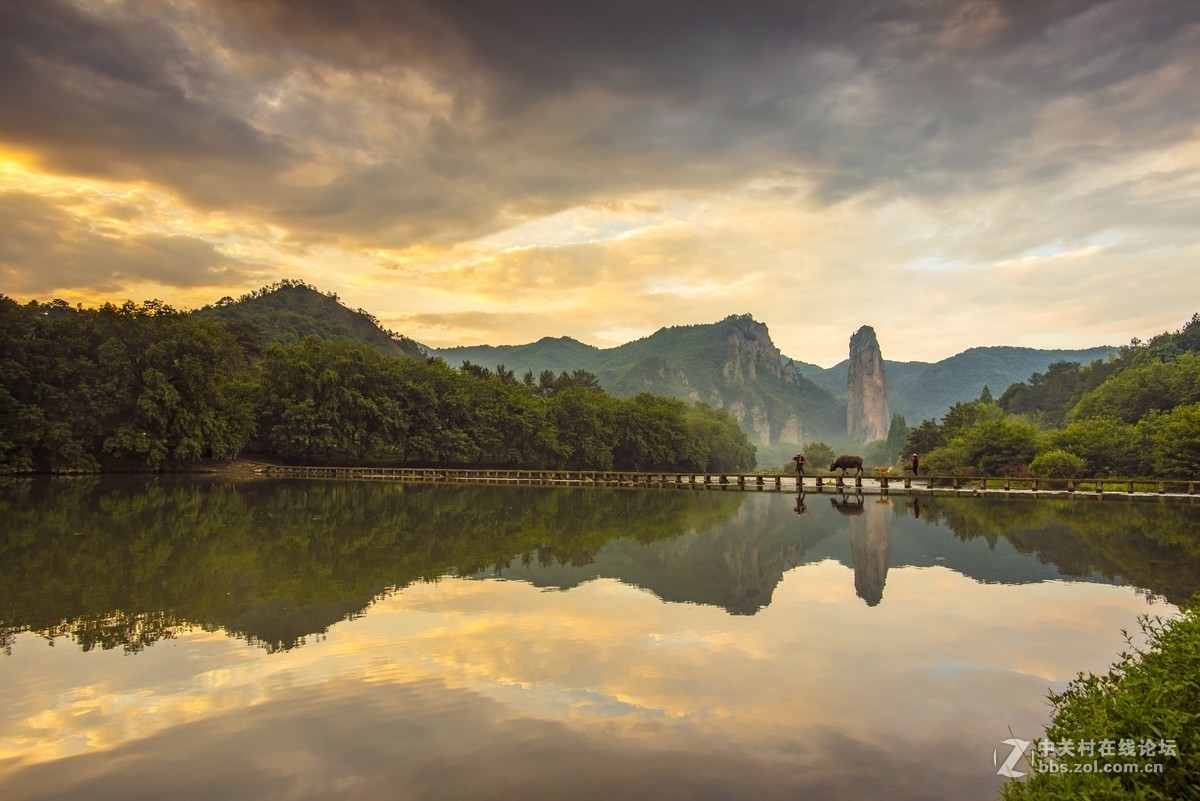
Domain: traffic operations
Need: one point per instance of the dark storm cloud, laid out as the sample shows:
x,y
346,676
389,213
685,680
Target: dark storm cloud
x,y
121,97
546,104
912,97
47,248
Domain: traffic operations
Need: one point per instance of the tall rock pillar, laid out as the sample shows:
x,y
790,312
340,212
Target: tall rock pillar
x,y
867,416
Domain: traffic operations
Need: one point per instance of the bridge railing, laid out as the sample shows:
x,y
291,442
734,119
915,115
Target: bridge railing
x,y
751,481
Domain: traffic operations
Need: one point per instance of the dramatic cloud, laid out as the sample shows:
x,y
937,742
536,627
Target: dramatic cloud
x,y
601,168
47,248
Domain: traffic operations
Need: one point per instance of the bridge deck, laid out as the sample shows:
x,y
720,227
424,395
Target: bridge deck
x,y
758,482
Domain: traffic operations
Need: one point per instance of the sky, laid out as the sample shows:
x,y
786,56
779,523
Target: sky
x,y
953,173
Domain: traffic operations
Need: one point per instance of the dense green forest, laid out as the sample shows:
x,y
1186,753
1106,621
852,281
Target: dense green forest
x,y
1137,414
288,311
146,386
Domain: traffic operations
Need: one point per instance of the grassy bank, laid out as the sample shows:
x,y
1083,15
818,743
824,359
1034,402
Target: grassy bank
x,y
1141,719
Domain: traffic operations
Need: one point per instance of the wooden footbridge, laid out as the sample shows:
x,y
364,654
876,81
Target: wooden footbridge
x,y
759,482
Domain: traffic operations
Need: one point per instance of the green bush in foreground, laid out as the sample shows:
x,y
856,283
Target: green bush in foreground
x,y
1149,695
1057,463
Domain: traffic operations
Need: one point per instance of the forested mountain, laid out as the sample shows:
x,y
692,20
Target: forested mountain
x,y
1154,376
1136,414
731,364
146,386
923,390
288,311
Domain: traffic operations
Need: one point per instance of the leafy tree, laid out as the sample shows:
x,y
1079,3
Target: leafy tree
x,y
718,443
819,455
926,437
1171,441
332,399
1057,463
511,426
139,383
962,416
650,435
897,438
586,425
1049,397
1129,395
1106,445
952,458
877,453
994,442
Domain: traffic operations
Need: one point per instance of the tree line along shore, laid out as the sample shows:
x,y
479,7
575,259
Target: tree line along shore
x,y
144,386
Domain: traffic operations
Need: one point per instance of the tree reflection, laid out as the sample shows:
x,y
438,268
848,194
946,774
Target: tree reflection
x,y
1150,545
121,564
124,564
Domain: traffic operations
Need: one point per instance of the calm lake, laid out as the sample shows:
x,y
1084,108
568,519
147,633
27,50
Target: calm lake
x,y
192,639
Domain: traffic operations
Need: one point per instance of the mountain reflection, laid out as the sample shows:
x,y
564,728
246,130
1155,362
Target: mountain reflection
x,y
870,541
126,563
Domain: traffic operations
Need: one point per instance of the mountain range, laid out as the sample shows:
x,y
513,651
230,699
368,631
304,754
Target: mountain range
x,y
781,402
734,364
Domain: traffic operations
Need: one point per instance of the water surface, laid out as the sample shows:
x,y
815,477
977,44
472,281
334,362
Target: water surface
x,y
304,639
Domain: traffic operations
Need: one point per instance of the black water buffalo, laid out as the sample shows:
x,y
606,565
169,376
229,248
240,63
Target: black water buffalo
x,y
845,463
847,508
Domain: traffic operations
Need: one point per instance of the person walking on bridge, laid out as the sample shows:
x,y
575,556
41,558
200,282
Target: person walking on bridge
x,y
799,460
915,463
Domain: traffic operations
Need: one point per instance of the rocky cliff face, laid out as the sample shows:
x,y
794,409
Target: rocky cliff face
x,y
748,348
749,356
867,415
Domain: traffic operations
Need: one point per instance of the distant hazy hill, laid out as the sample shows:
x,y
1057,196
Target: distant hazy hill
x,y
548,353
290,310
921,390
732,364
